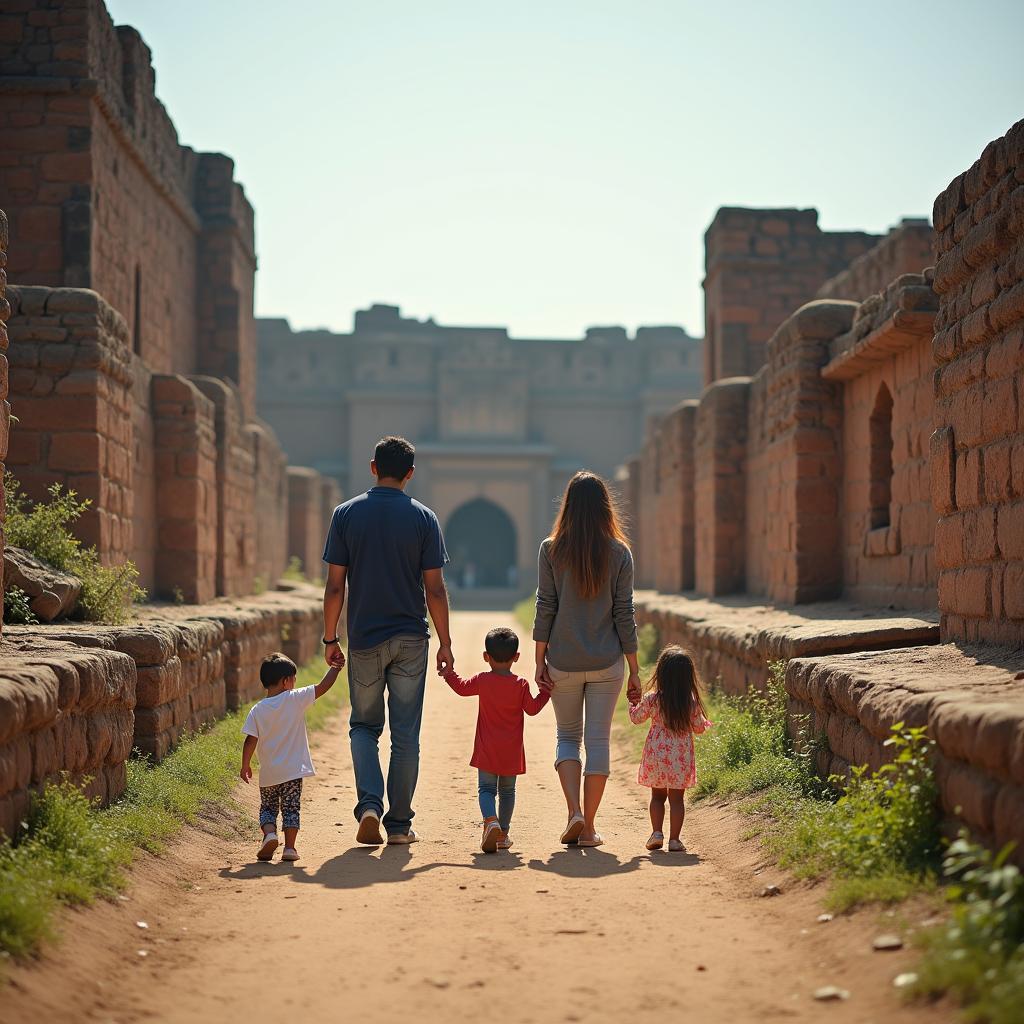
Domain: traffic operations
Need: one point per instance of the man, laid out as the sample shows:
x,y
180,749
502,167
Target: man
x,y
388,549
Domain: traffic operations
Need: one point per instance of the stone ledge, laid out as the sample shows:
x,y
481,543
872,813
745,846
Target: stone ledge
x,y
735,638
971,698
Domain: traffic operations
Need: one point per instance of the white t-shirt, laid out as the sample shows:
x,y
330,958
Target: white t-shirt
x,y
279,723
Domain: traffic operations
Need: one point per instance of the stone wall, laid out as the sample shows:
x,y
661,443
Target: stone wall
x,y
760,265
883,365
271,505
71,377
306,527
5,409
78,698
185,447
720,487
908,248
674,506
63,708
236,489
977,450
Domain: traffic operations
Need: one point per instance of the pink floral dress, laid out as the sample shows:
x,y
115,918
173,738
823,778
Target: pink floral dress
x,y
667,761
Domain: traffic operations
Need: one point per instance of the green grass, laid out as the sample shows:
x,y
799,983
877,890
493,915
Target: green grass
x,y
73,852
523,611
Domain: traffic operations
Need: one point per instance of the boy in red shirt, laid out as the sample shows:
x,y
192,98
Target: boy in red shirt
x,y
498,753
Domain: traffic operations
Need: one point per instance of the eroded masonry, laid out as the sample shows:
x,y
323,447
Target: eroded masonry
x,y
847,495
132,369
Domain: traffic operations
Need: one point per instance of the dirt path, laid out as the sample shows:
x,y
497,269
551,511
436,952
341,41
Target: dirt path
x,y
442,933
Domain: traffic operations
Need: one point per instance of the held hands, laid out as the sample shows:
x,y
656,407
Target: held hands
x,y
246,773
334,656
633,690
445,659
543,678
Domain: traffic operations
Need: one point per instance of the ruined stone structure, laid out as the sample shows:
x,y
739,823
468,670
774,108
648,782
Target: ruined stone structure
x,y
500,423
132,373
838,488
134,358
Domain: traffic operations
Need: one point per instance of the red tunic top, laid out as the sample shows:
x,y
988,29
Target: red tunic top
x,y
499,721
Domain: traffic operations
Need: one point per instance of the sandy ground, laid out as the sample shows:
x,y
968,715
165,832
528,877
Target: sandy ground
x,y
440,932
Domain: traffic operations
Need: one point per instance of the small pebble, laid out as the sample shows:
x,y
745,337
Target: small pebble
x,y
827,993
142,952
904,980
701,967
542,890
439,982
462,887
771,890
141,924
824,918
887,942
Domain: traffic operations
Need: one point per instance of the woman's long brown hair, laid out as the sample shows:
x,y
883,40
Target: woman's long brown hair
x,y
587,523
675,682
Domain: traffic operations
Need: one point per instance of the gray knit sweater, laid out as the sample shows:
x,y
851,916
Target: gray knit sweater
x,y
584,634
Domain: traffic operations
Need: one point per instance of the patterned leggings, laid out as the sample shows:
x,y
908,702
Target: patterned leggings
x,y
287,796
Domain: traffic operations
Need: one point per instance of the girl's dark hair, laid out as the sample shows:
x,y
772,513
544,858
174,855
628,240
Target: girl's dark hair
x,y
587,523
675,681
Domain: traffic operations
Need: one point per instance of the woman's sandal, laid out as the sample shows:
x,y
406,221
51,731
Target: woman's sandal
x,y
596,841
657,841
572,830
675,846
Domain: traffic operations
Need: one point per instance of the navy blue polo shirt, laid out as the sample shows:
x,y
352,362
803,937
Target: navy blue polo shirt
x,y
387,540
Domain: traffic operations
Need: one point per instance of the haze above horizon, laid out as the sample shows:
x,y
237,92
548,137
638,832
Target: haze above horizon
x,y
549,170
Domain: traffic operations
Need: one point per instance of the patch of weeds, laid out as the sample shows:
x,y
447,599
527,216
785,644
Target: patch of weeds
x,y
524,611
293,571
17,611
978,955
43,527
71,852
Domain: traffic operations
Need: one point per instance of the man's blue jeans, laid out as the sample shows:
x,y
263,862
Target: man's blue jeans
x,y
502,787
399,666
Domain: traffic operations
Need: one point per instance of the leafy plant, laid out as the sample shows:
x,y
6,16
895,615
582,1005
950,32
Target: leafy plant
x,y
43,528
294,570
17,611
978,955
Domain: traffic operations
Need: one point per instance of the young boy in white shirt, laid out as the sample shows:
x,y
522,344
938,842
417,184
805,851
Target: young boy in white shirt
x,y
277,724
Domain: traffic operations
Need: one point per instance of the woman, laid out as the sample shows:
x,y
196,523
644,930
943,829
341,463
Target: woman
x,y
583,627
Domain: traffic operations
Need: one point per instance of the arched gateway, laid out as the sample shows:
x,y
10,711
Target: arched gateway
x,y
481,540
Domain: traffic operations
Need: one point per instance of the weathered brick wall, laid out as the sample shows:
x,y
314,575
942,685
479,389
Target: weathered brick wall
x,y
5,409
185,448
227,264
71,378
760,266
649,494
306,528
854,700
674,516
236,490
627,490
977,450
271,504
720,455
907,249
794,471
886,357
63,709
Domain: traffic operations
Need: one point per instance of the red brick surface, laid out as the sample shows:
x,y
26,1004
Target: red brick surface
x,y
977,481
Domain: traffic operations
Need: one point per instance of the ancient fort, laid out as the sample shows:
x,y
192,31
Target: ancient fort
x,y
833,476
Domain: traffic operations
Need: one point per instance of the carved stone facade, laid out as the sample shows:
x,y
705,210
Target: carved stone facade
x,y
499,423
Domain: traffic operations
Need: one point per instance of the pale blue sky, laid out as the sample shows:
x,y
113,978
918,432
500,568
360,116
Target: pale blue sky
x,y
553,165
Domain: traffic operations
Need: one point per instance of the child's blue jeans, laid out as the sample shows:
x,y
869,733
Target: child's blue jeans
x,y
502,787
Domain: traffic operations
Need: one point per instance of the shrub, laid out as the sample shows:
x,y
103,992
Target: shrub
x,y
43,528
16,608
978,955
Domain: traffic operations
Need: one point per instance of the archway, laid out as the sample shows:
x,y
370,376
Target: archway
x,y
481,540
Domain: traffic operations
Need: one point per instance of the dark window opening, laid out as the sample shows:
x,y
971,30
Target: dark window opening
x,y
880,494
137,328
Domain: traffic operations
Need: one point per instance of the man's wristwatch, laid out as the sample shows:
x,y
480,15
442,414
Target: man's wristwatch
x,y
327,643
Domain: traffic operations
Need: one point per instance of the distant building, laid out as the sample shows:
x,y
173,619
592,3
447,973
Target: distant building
x,y
499,423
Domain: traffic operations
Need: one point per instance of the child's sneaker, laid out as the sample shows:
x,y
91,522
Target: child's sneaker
x,y
657,841
266,851
492,833
504,841
290,853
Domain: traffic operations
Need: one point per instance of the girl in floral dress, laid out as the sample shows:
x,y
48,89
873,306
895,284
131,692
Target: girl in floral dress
x,y
676,711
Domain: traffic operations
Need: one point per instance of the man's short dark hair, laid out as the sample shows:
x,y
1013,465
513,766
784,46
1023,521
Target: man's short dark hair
x,y
276,668
394,457
502,644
